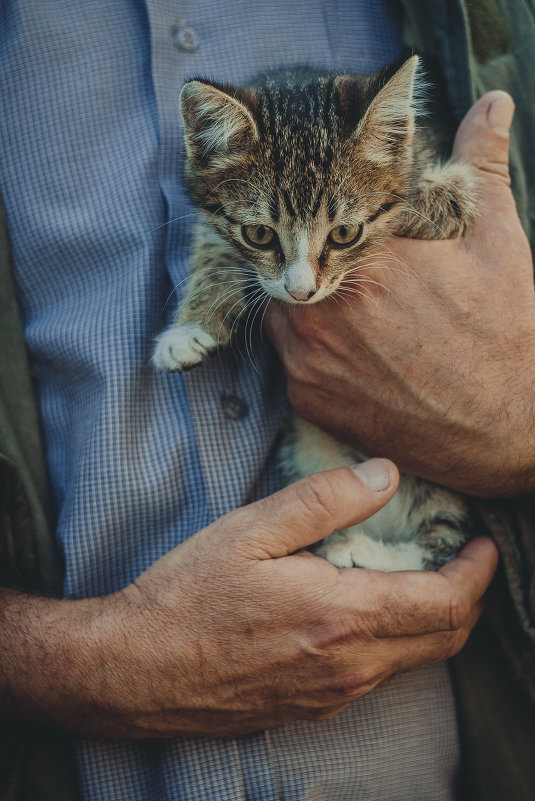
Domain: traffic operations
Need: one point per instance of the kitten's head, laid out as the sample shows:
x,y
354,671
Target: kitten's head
x,y
304,173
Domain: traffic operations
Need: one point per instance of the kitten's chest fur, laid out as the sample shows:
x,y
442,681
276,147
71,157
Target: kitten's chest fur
x,y
298,180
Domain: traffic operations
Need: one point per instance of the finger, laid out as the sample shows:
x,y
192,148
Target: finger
x,y
399,654
315,506
383,658
422,602
483,136
406,653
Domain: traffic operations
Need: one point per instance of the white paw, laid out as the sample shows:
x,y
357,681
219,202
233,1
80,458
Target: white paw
x,y
353,548
182,347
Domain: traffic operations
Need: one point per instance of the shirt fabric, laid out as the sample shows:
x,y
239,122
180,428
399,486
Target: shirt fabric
x,y
90,174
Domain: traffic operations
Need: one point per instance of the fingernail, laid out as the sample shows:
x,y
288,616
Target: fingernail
x,y
375,474
500,114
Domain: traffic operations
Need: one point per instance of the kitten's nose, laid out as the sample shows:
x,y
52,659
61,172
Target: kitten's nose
x,y
300,294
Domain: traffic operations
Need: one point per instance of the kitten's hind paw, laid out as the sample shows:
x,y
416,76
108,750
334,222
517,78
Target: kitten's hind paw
x,y
182,347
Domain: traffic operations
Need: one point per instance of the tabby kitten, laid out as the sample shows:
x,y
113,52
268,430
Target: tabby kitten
x,y
297,178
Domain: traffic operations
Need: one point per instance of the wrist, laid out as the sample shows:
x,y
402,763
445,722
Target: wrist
x,y
50,660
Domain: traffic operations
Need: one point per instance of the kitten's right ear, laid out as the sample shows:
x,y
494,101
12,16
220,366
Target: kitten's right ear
x,y
390,117
218,119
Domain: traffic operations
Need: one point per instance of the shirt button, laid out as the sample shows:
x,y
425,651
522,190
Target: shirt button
x,y
234,408
185,38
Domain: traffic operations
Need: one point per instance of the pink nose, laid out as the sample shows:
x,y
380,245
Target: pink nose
x,y
300,294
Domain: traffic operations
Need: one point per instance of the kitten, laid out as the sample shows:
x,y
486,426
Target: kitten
x,y
297,178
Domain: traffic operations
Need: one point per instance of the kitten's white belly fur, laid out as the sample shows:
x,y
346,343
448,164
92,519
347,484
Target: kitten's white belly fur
x,y
385,541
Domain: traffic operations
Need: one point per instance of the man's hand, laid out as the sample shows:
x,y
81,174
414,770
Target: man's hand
x,y
238,629
430,360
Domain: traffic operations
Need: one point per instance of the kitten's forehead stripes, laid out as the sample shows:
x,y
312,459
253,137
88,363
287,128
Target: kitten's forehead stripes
x,y
270,117
317,203
274,209
302,155
288,203
331,208
299,153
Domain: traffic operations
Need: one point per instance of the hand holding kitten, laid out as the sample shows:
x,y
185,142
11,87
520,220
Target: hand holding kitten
x,y
435,368
237,629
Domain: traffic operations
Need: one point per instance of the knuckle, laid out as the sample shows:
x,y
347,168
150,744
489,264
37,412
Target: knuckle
x,y
496,170
392,619
358,681
455,643
304,387
332,712
361,682
295,368
308,398
317,496
458,612
298,395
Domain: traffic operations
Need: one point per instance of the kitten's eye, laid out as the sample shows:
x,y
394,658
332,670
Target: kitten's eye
x,y
259,236
344,235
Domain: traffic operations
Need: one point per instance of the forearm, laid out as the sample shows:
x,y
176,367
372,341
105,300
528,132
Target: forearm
x,y
51,654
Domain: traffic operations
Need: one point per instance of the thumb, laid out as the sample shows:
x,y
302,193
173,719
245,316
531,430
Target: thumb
x,y
483,136
317,505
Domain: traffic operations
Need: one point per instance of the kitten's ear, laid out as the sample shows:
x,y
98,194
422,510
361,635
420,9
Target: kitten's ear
x,y
218,120
389,119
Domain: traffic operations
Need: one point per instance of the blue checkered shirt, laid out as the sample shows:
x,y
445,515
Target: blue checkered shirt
x,y
90,174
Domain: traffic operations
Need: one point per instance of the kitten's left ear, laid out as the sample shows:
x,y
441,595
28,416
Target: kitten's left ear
x,y
218,119
389,119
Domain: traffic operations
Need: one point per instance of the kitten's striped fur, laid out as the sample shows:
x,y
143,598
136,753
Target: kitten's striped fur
x,y
298,178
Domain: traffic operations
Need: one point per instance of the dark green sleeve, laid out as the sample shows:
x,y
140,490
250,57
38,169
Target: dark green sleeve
x,y
28,557
35,764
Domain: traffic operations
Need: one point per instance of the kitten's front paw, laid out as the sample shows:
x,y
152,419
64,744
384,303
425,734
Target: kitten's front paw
x,y
182,347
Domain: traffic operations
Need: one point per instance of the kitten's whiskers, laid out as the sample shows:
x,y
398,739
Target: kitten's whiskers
x,y
168,222
360,291
269,299
199,291
225,298
251,317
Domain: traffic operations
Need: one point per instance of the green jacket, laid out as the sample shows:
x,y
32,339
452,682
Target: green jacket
x,y
470,47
